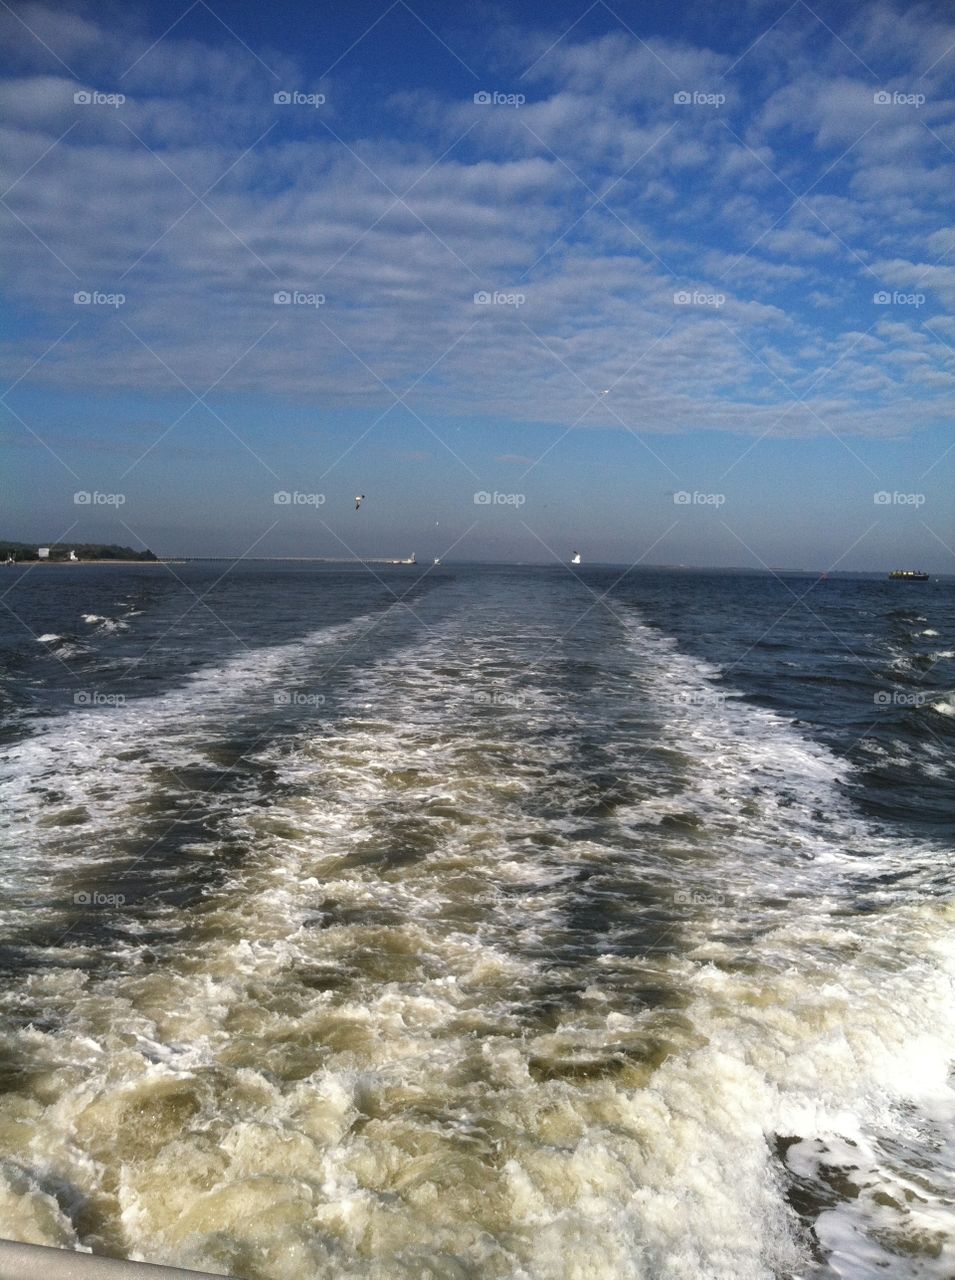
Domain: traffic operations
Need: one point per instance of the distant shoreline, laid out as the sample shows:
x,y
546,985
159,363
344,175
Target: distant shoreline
x,y
19,564
833,575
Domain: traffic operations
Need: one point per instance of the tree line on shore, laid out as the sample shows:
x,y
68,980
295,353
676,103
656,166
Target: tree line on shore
x,y
22,551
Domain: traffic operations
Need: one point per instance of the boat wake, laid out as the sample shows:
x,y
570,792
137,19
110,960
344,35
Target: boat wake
x,y
531,966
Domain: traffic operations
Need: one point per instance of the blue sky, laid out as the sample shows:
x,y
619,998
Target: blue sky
x,y
670,285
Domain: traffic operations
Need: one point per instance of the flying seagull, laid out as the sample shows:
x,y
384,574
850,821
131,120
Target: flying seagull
x,y
359,499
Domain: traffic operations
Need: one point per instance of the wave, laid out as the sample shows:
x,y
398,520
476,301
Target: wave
x,y
89,773
103,623
443,1017
62,646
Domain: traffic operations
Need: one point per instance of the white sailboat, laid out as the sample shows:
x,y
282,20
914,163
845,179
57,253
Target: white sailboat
x,y
576,558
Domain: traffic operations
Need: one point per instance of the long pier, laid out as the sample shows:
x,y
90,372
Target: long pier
x,y
284,560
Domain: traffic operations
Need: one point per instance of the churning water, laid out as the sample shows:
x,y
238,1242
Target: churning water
x,y
479,923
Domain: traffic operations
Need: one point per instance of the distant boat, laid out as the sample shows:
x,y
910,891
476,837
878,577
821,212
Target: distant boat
x,y
437,560
576,558
909,575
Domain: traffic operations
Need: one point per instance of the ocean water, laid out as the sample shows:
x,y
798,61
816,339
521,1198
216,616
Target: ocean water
x,y
479,922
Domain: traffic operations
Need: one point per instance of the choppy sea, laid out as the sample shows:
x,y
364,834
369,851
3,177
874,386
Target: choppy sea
x,y
478,921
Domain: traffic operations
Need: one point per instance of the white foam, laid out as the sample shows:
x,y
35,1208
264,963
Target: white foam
x,y
103,623
340,1070
751,776
95,764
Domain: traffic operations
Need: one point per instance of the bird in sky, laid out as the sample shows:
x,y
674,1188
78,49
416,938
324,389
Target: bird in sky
x,y
359,499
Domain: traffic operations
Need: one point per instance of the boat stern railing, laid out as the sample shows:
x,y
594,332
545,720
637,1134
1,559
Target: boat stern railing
x,y
39,1262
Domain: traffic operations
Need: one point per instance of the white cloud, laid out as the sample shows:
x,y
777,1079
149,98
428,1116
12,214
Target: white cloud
x,y
502,211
